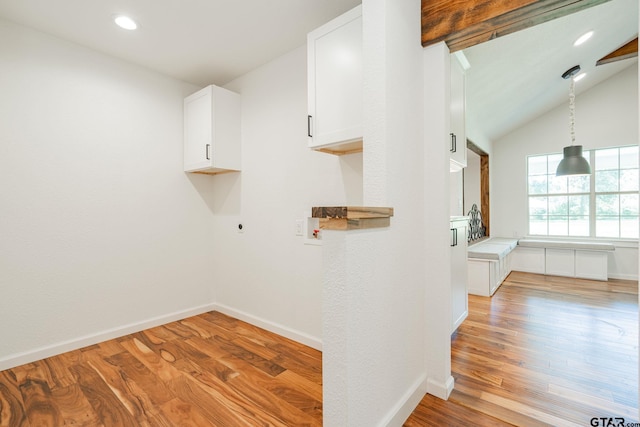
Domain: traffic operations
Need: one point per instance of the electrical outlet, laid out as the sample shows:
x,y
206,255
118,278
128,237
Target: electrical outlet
x,y
299,227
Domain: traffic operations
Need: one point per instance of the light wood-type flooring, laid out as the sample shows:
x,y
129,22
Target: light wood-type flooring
x,y
207,370
542,351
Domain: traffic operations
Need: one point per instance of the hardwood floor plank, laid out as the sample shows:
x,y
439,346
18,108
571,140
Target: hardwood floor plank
x,y
436,412
12,407
40,407
181,413
261,363
215,405
74,407
154,362
313,389
105,404
138,376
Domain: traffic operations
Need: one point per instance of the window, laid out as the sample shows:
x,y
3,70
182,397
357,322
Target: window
x,y
604,204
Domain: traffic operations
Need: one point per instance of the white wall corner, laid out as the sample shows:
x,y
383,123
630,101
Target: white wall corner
x,y
292,334
407,404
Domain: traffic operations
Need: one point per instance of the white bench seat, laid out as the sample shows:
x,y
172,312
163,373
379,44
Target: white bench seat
x,y
566,244
488,264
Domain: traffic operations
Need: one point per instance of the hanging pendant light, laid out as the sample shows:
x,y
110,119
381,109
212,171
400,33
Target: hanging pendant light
x,y
573,163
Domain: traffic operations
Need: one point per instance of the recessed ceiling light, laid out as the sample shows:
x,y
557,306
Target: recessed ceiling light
x,y
583,38
125,22
579,77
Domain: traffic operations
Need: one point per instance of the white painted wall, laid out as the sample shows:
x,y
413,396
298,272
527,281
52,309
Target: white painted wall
x,y
266,274
606,115
375,281
101,232
471,181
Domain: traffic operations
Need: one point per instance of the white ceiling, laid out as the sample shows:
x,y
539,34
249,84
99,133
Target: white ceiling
x,y
518,77
198,41
512,79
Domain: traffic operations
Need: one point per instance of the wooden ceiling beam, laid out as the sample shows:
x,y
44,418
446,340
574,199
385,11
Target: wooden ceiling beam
x,y
464,23
629,50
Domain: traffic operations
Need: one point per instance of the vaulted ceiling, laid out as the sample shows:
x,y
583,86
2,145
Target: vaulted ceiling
x,y
517,77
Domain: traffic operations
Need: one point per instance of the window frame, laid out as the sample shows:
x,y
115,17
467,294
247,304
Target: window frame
x,y
592,196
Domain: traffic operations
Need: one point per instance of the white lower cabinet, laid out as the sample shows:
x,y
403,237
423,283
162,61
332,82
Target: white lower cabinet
x,y
486,275
459,294
592,265
567,262
560,262
529,260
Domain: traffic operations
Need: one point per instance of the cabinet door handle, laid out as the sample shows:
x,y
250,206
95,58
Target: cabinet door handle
x,y
454,143
454,237
309,134
206,151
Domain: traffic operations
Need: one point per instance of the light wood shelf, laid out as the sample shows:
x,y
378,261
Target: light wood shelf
x,y
352,217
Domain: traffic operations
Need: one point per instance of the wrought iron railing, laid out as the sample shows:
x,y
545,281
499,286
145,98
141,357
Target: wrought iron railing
x,y
477,229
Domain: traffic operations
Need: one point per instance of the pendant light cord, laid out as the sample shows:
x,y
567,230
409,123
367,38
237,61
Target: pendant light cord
x,y
572,111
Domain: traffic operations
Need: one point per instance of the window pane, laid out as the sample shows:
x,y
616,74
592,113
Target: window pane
x,y
629,180
558,205
579,184
629,157
629,204
537,206
578,226
629,226
558,225
557,184
553,160
538,225
538,184
608,204
607,159
537,165
579,205
607,226
606,181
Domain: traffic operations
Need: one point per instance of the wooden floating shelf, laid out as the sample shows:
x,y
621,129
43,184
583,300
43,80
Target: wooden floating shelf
x,y
352,217
342,149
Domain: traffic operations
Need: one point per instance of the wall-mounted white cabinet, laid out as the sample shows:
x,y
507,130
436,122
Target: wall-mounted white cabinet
x,y
459,294
457,136
212,131
334,67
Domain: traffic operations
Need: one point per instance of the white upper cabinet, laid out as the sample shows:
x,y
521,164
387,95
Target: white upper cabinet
x,y
457,136
335,84
212,131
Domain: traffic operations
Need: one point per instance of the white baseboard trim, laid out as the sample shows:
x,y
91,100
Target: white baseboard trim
x,y
407,404
623,276
276,328
17,359
439,389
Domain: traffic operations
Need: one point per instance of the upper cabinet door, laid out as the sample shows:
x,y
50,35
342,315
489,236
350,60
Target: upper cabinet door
x,y
335,84
457,136
212,131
